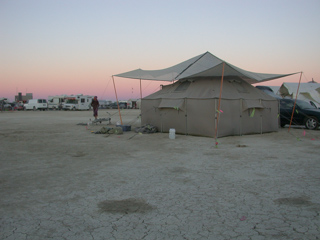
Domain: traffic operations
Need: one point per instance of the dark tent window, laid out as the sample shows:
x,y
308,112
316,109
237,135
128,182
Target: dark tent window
x,y
182,87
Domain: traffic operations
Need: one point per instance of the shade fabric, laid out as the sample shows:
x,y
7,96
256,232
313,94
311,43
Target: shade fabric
x,y
204,65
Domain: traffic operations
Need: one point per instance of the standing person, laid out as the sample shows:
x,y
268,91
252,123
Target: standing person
x,y
95,105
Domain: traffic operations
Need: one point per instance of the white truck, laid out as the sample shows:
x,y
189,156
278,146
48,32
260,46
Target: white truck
x,y
77,102
36,104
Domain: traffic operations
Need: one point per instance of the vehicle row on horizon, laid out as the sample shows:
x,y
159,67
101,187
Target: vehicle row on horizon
x,y
65,102
83,102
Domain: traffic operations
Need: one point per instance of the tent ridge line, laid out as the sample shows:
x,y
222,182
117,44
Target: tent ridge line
x,y
190,65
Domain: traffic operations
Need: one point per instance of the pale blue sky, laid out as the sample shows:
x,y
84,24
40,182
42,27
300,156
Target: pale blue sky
x,y
69,47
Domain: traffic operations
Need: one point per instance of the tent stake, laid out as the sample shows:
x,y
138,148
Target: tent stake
x,y
294,105
114,85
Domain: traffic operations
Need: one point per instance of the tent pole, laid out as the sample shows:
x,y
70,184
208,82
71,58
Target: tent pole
x,y
294,105
140,102
240,109
114,85
186,115
218,114
140,91
260,101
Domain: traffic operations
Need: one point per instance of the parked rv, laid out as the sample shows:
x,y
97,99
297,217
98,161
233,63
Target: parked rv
x,y
36,104
55,102
104,104
77,102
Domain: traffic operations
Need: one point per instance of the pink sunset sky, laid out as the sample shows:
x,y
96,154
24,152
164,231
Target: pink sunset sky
x,y
74,47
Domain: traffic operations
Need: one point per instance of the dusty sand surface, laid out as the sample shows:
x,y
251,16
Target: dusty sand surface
x,y
58,180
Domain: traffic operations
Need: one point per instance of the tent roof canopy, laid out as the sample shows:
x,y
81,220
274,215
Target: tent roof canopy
x,y
204,65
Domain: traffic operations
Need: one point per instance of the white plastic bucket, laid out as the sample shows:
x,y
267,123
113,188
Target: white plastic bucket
x,y
172,133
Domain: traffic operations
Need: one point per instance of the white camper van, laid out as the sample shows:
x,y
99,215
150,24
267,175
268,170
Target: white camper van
x,y
77,102
35,104
55,102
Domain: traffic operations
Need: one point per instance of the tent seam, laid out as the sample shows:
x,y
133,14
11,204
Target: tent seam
x,y
190,65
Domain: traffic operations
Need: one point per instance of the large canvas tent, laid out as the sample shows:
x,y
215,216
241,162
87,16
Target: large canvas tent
x,y
191,107
208,96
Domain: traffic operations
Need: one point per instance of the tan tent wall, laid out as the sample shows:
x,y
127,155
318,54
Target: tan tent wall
x,y
190,115
199,120
172,118
251,125
270,112
163,118
230,119
150,113
200,116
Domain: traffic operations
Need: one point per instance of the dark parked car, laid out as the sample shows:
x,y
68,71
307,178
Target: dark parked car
x,y
304,114
269,91
115,106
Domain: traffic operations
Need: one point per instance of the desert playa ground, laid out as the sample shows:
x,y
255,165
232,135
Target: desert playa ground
x,y
59,180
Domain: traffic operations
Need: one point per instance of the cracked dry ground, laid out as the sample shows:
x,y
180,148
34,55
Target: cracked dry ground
x,y
60,181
